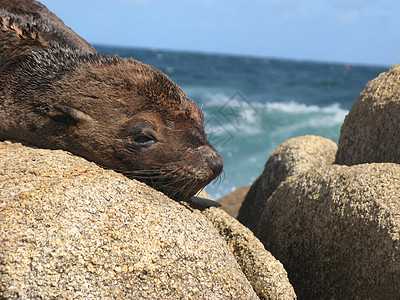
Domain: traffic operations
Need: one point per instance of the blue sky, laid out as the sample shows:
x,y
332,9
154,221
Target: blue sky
x,y
348,31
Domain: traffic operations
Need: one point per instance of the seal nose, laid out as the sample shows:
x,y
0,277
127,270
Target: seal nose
x,y
217,164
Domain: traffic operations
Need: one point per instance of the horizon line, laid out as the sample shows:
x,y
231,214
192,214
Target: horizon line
x,y
254,56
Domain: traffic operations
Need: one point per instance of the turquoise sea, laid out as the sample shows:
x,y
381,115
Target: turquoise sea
x,y
253,104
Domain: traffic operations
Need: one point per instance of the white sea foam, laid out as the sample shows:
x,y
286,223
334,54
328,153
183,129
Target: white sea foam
x,y
249,117
295,107
313,115
220,99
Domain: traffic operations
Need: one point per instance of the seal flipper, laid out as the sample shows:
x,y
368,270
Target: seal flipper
x,y
77,115
203,202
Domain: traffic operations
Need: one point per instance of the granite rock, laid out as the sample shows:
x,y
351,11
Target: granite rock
x,y
295,156
336,231
371,130
265,273
71,229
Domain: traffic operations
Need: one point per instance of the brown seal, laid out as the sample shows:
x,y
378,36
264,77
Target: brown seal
x,y
56,92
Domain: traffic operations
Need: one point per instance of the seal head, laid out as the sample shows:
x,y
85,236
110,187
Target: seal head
x,y
132,118
119,113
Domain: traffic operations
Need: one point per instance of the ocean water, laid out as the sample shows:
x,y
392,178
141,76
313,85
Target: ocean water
x,y
252,105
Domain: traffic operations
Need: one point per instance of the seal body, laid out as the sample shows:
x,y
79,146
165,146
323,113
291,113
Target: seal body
x,y
57,92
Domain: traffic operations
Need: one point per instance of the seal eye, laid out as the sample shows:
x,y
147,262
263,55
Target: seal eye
x,y
143,140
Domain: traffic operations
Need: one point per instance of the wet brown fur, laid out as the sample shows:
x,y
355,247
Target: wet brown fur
x,y
53,30
114,101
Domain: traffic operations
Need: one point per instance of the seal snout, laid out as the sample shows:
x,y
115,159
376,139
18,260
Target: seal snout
x,y
211,162
217,164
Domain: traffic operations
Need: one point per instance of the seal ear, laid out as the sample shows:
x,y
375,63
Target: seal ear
x,y
75,114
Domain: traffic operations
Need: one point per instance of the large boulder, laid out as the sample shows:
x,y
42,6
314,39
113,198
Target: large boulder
x,y
336,230
371,130
295,156
71,229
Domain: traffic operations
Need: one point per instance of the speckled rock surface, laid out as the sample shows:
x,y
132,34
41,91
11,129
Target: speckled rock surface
x,y
336,231
266,274
70,229
292,157
232,202
371,130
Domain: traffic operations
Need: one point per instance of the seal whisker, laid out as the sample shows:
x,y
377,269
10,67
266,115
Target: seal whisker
x,y
149,171
192,182
141,171
171,189
163,181
199,192
217,181
153,177
149,176
173,183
